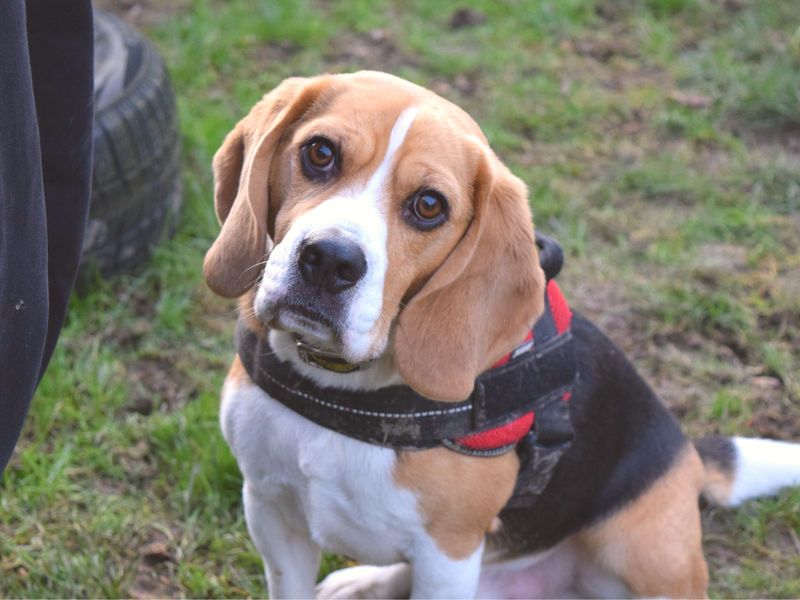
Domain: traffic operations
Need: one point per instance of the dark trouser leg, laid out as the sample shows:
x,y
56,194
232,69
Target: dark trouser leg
x,y
60,34
45,170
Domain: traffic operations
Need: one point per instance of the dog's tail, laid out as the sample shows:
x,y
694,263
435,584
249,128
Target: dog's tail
x,y
738,469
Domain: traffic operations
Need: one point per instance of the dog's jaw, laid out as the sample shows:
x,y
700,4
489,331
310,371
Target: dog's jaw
x,y
352,324
381,372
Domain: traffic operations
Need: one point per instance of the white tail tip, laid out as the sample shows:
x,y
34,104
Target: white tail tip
x,y
762,468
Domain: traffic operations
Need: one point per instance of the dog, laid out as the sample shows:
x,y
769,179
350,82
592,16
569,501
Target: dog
x,y
384,258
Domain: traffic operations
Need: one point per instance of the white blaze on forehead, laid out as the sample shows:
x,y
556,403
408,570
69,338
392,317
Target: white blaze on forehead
x,y
367,304
396,138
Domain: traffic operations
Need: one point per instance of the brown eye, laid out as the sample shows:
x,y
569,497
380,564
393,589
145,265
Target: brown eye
x,y
428,206
319,159
426,209
320,154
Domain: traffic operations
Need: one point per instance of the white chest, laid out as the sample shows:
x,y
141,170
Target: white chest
x,y
340,489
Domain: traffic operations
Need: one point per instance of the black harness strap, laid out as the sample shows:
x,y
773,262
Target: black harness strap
x,y
399,417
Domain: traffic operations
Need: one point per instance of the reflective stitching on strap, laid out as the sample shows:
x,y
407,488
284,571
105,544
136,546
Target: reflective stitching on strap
x,y
366,413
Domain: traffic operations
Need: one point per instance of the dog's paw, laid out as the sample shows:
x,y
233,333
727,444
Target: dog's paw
x,y
367,582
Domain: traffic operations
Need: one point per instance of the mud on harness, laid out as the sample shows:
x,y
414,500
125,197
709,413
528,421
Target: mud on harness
x,y
521,402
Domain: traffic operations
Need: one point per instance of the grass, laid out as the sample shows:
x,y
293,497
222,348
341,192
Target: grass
x,y
679,213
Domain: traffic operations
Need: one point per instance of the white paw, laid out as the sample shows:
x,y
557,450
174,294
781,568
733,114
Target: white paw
x,y
367,582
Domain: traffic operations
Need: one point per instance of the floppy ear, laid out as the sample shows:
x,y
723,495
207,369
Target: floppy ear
x,y
241,186
483,298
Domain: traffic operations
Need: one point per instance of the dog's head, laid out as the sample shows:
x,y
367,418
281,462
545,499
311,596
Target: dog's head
x,y
371,216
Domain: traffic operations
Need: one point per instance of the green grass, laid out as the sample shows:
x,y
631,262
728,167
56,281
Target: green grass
x,y
680,225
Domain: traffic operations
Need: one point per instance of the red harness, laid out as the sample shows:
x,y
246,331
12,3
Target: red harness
x,y
512,432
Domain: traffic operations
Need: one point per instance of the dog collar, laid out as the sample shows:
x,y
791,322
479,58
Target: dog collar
x,y
538,373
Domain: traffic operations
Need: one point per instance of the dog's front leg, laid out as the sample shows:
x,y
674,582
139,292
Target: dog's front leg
x,y
291,558
434,574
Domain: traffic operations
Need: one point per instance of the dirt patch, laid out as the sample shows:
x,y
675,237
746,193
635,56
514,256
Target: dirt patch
x,y
156,575
612,10
466,17
605,44
775,418
787,136
273,52
605,303
374,50
157,383
138,463
458,88
131,335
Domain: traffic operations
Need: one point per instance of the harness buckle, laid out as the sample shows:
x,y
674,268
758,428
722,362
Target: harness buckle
x,y
540,451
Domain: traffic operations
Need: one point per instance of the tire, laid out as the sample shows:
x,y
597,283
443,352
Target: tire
x,y
136,190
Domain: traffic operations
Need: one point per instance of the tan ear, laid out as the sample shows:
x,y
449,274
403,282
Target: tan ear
x,y
483,298
241,186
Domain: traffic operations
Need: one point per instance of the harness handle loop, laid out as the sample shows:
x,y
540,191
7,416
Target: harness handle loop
x,y
551,256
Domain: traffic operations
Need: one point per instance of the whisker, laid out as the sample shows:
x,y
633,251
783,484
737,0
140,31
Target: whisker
x,y
258,264
399,301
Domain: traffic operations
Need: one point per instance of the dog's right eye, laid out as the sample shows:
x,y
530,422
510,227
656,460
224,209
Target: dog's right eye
x,y
319,158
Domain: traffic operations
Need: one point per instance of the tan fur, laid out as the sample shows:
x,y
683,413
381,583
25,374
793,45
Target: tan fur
x,y
237,372
655,543
718,484
241,186
459,496
490,283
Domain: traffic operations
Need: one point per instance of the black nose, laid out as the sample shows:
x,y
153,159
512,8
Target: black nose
x,y
333,265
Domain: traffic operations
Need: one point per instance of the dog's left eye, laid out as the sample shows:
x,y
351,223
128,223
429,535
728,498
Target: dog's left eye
x,y
426,209
319,158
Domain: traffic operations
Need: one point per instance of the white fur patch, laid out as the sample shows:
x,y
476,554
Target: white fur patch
x,y
308,488
317,477
763,467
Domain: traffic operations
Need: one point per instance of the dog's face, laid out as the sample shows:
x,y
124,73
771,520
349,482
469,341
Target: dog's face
x,y
374,210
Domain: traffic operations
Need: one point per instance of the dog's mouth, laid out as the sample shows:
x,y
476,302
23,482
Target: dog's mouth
x,y
308,325
316,339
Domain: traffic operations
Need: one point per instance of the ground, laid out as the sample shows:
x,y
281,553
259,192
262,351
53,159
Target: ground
x,y
660,140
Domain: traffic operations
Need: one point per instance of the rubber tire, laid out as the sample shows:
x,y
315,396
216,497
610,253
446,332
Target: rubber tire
x,y
136,189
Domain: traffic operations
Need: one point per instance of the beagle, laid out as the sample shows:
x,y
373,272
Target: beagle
x,y
378,246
